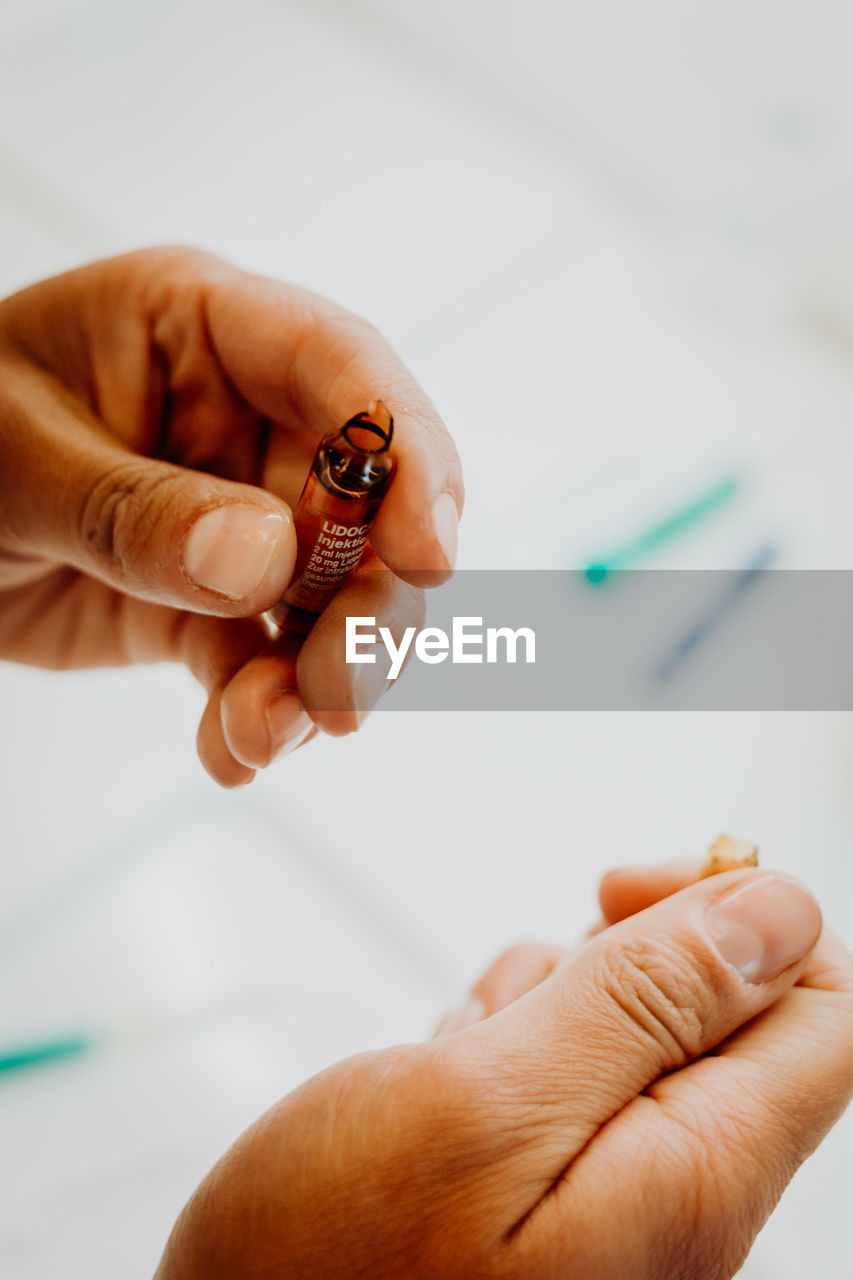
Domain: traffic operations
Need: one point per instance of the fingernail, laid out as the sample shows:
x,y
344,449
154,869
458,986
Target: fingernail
x,y
229,549
764,926
288,723
465,1015
367,687
445,523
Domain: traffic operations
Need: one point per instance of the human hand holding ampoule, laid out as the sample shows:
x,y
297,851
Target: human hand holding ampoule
x,y
158,416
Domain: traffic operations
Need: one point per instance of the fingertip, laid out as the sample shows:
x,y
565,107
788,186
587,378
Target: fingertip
x,y
353,704
623,891
288,724
424,579
445,527
337,724
339,695
213,751
416,538
263,717
615,891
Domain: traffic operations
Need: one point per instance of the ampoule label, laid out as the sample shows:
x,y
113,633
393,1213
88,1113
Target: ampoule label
x,y
336,550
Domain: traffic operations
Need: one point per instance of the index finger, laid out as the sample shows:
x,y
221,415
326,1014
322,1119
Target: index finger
x,y
624,891
303,362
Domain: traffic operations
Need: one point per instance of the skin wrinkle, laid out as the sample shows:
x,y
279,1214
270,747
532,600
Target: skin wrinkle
x,y
735,1120
672,1255
662,993
640,1011
713,1203
723,1220
696,1135
123,510
668,1251
561,1179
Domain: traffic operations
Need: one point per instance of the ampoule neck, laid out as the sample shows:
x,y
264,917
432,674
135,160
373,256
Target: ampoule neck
x,y
355,457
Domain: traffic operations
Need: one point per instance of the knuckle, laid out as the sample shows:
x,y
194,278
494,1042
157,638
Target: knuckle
x,y
122,512
448,1083
660,988
457,1105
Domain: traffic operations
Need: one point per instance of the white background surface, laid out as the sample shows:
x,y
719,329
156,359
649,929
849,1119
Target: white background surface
x,y
613,242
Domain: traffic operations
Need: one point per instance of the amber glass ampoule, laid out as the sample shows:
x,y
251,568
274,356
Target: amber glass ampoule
x,y
349,477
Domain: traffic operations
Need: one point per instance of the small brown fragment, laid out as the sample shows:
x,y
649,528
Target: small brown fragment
x,y
729,854
379,413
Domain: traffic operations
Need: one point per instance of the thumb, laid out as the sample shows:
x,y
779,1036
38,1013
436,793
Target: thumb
x,y
640,1000
146,527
